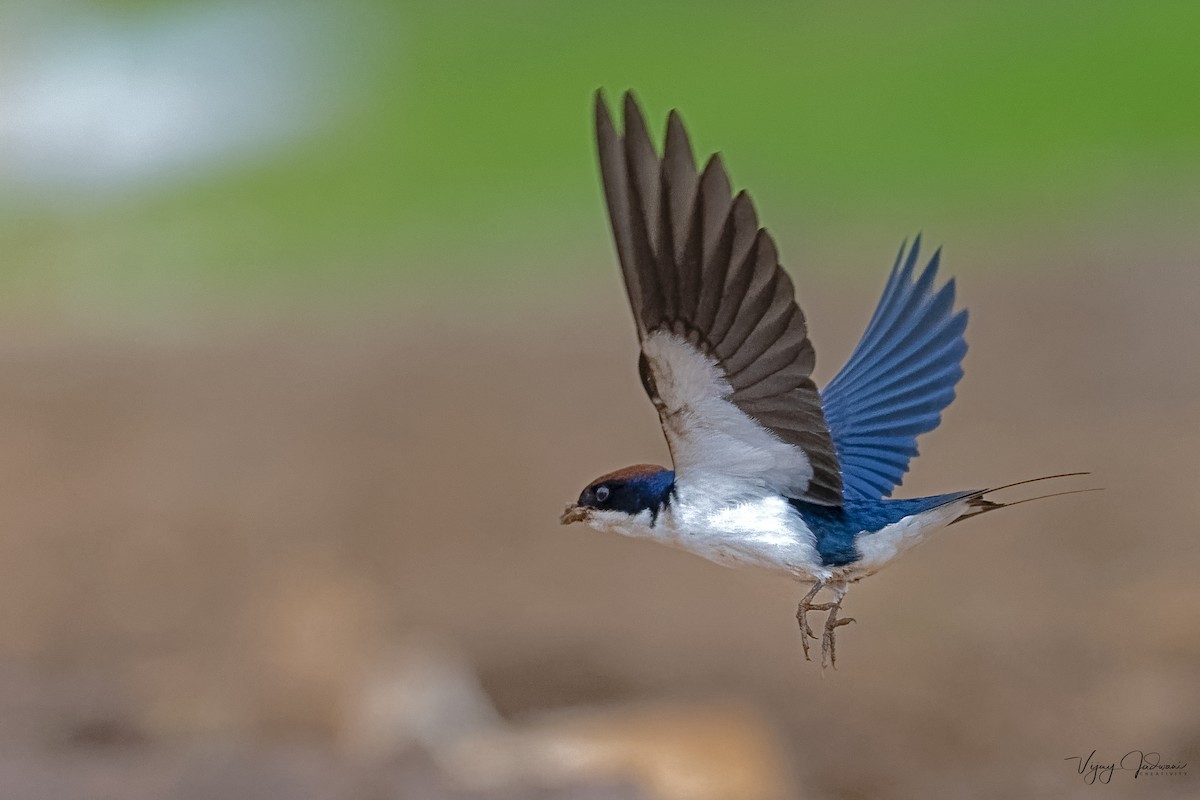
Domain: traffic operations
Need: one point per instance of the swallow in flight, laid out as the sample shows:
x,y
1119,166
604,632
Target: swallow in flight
x,y
769,471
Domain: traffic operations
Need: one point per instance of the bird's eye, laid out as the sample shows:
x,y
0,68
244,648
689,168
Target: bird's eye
x,y
602,493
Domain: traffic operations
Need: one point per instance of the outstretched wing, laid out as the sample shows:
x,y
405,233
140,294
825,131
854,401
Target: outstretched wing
x,y
725,350
899,379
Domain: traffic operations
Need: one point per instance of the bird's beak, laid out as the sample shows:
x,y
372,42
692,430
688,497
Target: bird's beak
x,y
574,514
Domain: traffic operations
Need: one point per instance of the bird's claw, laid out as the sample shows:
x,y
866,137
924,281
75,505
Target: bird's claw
x,y
802,616
828,640
802,611
832,623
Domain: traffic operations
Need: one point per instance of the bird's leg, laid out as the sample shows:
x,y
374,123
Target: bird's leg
x,y
832,622
807,605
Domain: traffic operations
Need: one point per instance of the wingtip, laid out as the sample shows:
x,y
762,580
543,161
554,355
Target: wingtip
x,y
600,106
675,124
714,163
935,261
714,182
636,132
605,129
743,209
910,260
678,147
675,128
899,259
632,107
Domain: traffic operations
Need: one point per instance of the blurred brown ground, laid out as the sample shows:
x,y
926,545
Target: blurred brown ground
x,y
209,544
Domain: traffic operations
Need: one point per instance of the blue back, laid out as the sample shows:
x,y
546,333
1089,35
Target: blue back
x,y
838,528
898,381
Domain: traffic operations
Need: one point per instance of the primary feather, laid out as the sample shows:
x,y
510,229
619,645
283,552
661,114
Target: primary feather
x,y
725,351
899,379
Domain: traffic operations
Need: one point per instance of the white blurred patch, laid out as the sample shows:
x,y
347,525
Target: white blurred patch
x,y
104,101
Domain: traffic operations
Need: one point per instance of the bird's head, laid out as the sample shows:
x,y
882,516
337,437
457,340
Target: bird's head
x,y
621,497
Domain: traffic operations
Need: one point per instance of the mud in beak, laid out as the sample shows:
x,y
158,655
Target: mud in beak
x,y
574,514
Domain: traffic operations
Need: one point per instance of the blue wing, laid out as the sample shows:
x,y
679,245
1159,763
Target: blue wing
x,y
898,380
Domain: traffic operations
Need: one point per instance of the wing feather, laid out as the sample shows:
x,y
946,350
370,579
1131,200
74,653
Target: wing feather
x,y
725,349
899,379
716,201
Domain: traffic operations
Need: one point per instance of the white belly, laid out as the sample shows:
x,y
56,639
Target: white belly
x,y
762,532
881,547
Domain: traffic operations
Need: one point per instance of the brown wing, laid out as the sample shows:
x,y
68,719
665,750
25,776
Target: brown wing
x,y
698,266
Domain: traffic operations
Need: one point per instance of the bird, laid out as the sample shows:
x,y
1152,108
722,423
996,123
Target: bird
x,y
767,470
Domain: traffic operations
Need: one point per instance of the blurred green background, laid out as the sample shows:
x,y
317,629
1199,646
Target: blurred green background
x,y
424,146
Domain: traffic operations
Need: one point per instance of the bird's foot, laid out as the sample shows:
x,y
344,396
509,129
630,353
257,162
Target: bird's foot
x,y
828,640
802,611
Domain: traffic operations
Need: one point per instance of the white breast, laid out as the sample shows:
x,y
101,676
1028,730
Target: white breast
x,y
740,528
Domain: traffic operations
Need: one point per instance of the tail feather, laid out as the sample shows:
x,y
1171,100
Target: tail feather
x,y
978,503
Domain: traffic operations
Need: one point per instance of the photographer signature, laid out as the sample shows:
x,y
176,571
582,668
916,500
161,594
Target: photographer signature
x,y
1135,761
